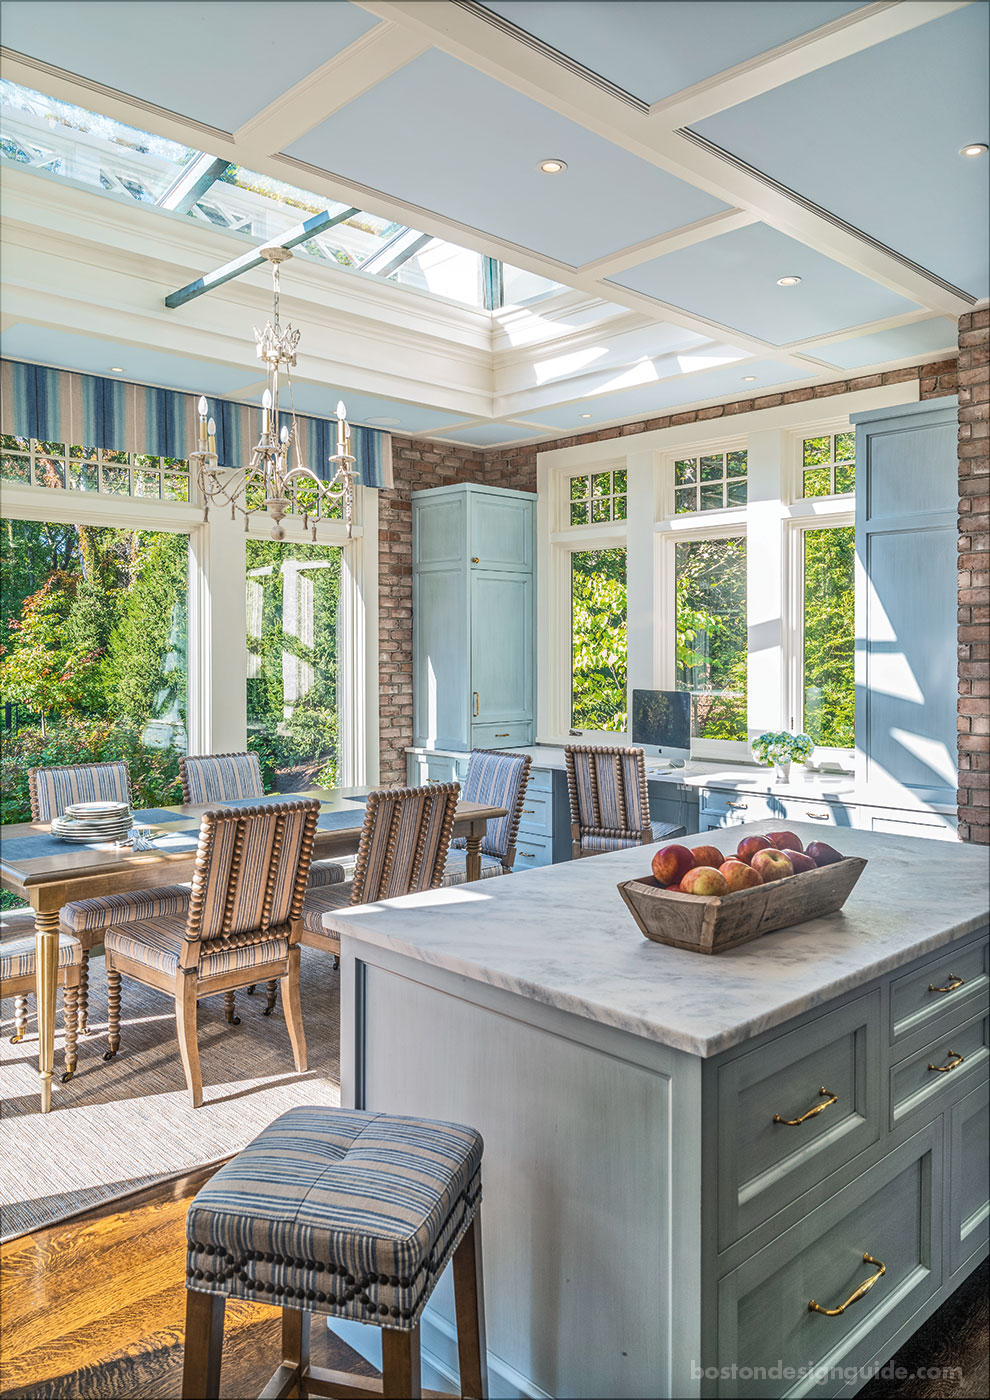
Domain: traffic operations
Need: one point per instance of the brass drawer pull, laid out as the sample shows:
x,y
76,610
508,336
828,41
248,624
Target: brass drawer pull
x,y
529,811
742,805
954,984
853,1297
477,702
502,736
955,1060
530,855
817,816
793,1122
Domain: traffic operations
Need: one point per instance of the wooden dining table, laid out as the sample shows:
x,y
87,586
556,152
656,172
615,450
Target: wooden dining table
x,y
50,873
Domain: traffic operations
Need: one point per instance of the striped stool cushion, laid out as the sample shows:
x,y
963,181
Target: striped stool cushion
x,y
667,831
662,831
111,910
17,955
455,871
325,872
158,942
337,1211
320,900
496,780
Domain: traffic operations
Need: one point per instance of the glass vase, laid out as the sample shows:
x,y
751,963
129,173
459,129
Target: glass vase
x,y
782,770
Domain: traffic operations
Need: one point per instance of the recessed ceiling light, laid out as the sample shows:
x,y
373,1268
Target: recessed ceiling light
x,y
116,369
383,422
553,166
788,281
584,415
749,379
978,148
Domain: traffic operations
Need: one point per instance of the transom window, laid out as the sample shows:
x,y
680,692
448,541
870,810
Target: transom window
x,y
829,465
60,465
711,482
598,498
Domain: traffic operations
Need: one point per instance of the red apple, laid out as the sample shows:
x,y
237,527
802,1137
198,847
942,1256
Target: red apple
x,y
800,860
749,846
674,889
739,875
672,862
772,865
704,879
822,854
707,855
785,840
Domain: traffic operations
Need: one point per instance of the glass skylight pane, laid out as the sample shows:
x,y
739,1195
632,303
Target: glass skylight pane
x,y
446,271
46,134
520,288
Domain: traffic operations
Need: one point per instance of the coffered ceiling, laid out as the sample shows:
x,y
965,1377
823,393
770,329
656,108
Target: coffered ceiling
x,y
710,149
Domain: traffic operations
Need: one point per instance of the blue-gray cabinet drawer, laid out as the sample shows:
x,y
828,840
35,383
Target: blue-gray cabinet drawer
x,y
540,780
435,768
532,851
511,735
766,1331
793,1110
969,1174
537,814
732,807
920,999
927,1077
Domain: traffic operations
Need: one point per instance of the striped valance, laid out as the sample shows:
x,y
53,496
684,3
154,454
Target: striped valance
x,y
56,405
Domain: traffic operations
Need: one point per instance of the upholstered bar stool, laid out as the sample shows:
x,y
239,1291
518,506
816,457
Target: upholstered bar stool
x,y
18,970
346,1214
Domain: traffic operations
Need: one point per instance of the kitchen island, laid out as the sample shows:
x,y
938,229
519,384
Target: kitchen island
x,y
655,1215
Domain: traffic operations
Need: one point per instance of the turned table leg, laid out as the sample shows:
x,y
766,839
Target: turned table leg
x,y
472,842
46,943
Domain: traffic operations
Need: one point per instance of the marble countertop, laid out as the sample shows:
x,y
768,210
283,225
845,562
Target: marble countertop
x,y
561,935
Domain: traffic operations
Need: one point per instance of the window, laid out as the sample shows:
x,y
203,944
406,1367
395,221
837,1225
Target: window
x,y
58,465
829,633
598,498
710,483
829,465
711,639
93,628
598,639
293,603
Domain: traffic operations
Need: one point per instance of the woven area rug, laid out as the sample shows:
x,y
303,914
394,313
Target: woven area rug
x,y
123,1124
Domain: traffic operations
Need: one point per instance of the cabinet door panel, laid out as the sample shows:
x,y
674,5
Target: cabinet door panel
x,y
900,476
438,535
501,532
440,685
501,647
969,1157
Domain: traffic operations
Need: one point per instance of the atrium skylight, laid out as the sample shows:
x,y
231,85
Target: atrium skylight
x,y
45,134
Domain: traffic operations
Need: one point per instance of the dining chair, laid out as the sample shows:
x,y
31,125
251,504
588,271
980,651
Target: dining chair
x,y
610,801
243,924
494,779
51,790
404,844
18,972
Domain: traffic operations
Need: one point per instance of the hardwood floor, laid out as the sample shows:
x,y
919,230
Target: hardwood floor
x,y
94,1308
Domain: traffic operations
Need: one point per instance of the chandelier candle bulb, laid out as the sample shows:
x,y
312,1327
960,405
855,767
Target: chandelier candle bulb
x,y
211,429
203,409
266,411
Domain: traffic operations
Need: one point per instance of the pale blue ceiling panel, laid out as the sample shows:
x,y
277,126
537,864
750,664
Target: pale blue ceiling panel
x,y
732,279
652,48
491,434
919,338
217,62
875,138
320,400
737,381
441,135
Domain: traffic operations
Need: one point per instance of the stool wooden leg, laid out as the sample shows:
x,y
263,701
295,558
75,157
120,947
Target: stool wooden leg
x,y
271,992
185,1025
295,1345
230,1009
204,1345
400,1364
113,1012
84,993
20,1019
70,1014
469,1305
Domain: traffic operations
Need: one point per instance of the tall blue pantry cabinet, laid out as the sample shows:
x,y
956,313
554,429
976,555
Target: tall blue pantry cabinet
x,y
473,617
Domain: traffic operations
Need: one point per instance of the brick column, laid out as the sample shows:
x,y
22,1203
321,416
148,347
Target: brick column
x,y
974,577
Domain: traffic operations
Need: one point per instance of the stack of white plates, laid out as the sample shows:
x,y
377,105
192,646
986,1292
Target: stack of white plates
x,y
93,822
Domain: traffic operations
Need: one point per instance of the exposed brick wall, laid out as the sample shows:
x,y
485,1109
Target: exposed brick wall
x,y
974,577
421,464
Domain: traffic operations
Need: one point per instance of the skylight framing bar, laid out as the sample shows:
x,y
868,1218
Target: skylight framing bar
x,y
192,183
410,251
300,233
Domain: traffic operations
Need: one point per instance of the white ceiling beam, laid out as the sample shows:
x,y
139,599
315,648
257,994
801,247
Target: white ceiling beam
x,y
376,55
677,238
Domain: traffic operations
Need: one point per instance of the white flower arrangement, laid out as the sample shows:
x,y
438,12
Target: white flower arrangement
x,y
780,747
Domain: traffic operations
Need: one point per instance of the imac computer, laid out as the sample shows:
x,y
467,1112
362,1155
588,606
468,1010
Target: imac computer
x,y
661,724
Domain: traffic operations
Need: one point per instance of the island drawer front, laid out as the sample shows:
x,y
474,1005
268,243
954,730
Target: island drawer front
x,y
540,780
969,1177
730,808
810,809
532,851
921,998
536,818
434,768
892,1213
501,736
956,1053
763,1165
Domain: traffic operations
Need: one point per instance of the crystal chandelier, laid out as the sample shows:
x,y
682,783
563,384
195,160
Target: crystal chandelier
x,y
270,483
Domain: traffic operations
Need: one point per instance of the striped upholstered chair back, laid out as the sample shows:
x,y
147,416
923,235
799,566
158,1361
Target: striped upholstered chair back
x,y
220,777
53,789
499,780
610,803
404,841
251,871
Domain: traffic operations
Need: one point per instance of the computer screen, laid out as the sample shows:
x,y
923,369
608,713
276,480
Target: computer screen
x,y
662,718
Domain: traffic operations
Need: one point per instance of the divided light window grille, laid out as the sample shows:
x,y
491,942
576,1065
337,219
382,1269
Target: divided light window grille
x,y
71,466
712,482
598,498
829,465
